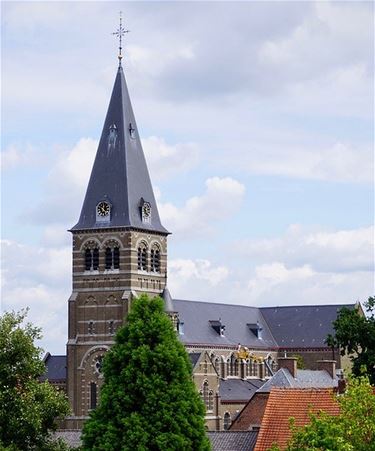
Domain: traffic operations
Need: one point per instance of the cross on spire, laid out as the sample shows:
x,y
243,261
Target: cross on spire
x,y
120,32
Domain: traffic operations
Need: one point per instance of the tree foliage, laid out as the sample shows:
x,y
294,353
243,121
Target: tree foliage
x,y
352,430
148,400
28,408
355,335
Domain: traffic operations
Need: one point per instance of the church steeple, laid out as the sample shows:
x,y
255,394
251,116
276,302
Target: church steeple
x,y
119,193
119,249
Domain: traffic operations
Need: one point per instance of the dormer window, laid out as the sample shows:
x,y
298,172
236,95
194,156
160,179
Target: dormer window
x,y
255,329
131,131
145,211
218,327
112,136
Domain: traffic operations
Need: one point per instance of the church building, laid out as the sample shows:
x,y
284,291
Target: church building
x,y
120,250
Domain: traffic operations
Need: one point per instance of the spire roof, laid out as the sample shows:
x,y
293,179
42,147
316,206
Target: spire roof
x,y
168,301
120,176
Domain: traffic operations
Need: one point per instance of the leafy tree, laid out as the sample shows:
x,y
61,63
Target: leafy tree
x,y
355,335
352,430
148,399
300,362
28,408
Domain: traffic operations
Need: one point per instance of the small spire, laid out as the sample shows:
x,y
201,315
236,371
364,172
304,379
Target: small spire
x,y
120,32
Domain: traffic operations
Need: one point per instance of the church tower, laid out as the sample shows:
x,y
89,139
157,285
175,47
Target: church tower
x,y
119,250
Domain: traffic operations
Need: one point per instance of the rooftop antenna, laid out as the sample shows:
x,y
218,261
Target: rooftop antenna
x,y
120,32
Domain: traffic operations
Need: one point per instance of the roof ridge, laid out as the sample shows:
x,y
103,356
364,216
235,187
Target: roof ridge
x,y
216,303
306,305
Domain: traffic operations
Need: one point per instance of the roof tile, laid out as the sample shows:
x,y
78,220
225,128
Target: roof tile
x,y
297,403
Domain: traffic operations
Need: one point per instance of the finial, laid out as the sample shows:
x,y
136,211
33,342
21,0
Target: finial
x,y
120,32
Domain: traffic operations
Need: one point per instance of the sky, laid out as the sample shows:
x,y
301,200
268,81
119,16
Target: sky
x,y
257,121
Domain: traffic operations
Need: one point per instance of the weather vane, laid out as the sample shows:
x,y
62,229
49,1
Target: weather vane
x,y
120,32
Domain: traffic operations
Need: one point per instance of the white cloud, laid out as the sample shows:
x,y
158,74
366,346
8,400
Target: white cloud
x,y
223,197
166,160
195,279
182,270
324,251
65,188
275,284
20,155
38,278
73,168
340,162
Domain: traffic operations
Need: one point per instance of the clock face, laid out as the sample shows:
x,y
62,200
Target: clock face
x,y
103,209
146,209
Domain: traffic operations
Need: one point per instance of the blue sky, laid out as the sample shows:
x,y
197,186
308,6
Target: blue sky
x,y
257,125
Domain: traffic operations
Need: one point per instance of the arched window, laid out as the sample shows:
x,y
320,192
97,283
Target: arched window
x,y
233,369
93,395
210,406
91,259
207,396
142,257
217,365
112,258
253,368
91,328
155,259
111,328
227,421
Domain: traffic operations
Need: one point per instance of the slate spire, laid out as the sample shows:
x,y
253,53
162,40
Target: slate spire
x,y
120,177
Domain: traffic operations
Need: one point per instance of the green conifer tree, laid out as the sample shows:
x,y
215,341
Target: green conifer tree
x,y
148,400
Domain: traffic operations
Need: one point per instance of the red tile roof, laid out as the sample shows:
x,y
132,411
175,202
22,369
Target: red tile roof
x,y
291,402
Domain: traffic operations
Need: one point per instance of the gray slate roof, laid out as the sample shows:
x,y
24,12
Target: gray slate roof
x,y
301,326
238,389
194,357
305,379
197,329
120,175
233,440
55,367
168,301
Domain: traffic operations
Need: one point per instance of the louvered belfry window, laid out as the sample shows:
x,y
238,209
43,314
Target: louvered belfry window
x,y
142,258
112,258
116,258
95,259
155,260
91,259
88,259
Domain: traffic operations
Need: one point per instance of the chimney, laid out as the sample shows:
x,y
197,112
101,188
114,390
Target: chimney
x,y
290,364
341,388
329,366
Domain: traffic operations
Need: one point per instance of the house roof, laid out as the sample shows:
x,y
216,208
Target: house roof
x,y
120,175
196,317
233,440
305,326
284,403
305,379
301,326
55,368
238,389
